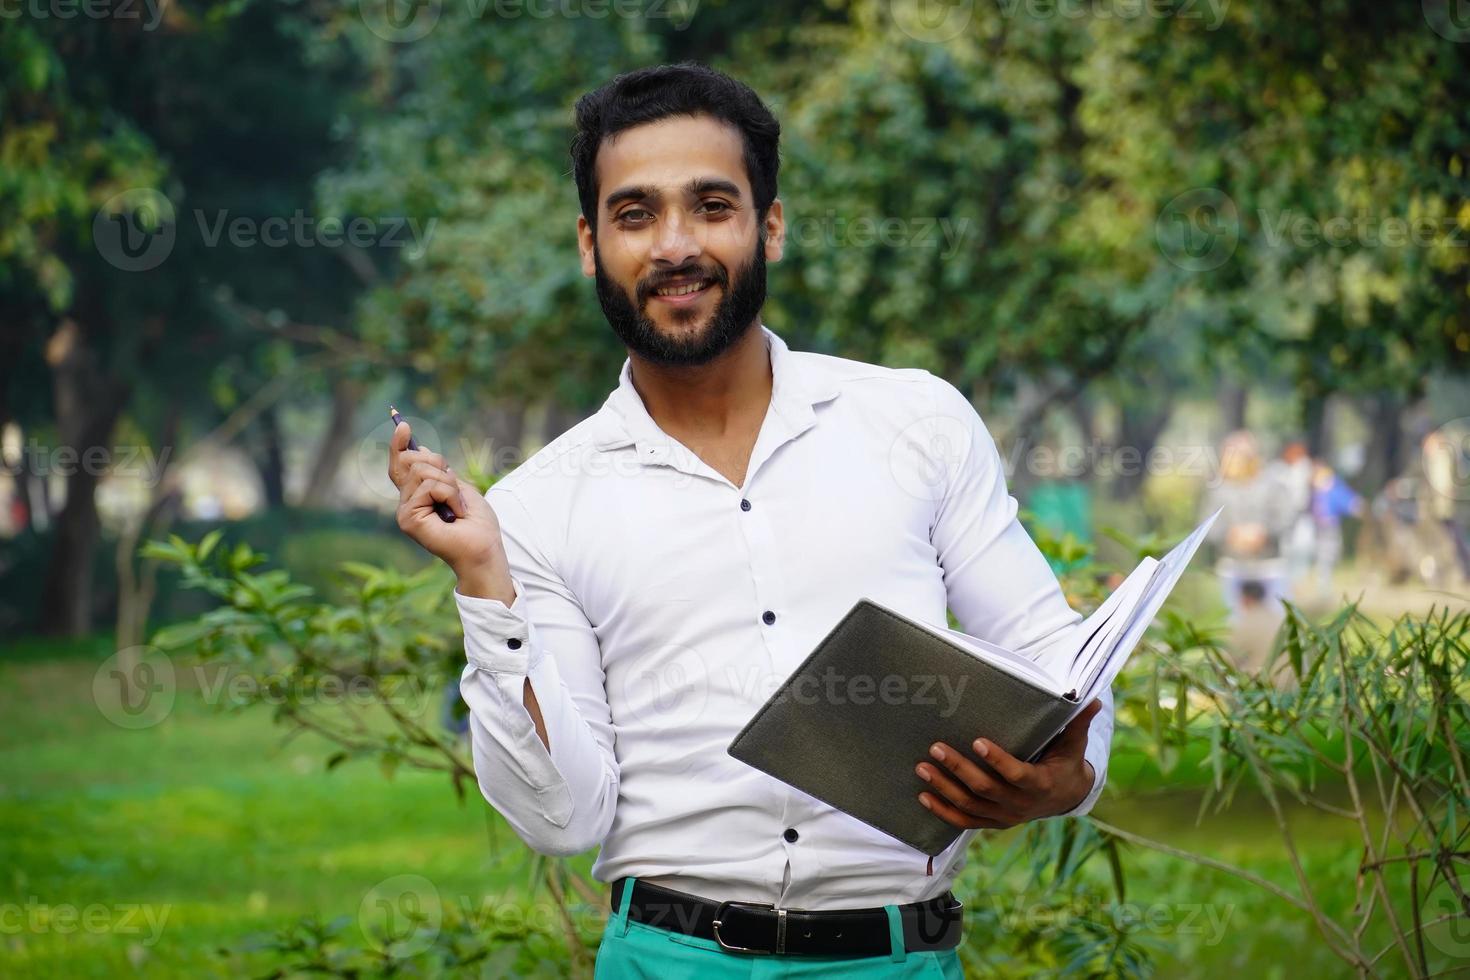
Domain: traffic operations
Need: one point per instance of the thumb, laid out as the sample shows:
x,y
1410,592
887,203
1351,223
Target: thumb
x,y
1076,731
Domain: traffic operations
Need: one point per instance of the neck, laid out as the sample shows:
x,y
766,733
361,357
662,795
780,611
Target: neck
x,y
709,400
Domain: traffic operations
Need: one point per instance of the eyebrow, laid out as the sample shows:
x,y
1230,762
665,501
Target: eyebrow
x,y
695,188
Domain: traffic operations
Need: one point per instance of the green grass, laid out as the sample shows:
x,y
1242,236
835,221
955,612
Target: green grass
x,y
209,822
215,822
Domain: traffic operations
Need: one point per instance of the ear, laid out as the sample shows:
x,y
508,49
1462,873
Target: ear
x,y
584,245
775,226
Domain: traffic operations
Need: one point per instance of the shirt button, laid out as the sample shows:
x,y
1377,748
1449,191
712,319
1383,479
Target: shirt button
x,y
745,505
513,643
790,835
768,617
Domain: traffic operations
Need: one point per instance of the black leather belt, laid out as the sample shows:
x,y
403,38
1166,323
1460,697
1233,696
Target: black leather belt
x,y
752,927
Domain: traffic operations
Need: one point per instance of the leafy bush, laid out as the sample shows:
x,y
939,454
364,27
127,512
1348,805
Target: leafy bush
x,y
1379,710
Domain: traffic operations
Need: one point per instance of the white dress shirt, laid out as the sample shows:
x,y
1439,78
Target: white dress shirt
x,y
658,605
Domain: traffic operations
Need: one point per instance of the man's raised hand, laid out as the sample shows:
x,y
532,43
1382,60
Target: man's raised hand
x,y
471,545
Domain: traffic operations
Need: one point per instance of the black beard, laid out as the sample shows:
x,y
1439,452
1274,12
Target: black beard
x,y
736,313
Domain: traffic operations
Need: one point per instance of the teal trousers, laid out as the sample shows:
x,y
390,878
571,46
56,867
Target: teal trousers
x,y
633,951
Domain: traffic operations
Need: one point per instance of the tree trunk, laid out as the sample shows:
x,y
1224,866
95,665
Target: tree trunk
x,y
500,449
1085,415
87,407
269,458
1233,401
1314,421
1139,432
137,584
346,397
1384,457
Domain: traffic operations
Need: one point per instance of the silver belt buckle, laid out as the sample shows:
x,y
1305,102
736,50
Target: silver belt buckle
x,y
780,928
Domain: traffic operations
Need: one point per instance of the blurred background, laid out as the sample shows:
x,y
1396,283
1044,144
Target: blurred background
x,y
1182,254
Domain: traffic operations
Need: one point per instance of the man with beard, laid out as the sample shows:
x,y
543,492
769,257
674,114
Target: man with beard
x,y
632,593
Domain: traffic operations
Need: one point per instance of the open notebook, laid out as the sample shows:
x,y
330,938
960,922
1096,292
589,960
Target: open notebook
x,y
854,718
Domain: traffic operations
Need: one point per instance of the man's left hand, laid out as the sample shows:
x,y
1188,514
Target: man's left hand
x,y
969,797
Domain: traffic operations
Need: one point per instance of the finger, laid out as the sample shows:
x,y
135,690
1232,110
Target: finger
x,y
432,491
975,780
961,795
466,487
1073,738
1011,769
428,456
957,818
397,443
420,471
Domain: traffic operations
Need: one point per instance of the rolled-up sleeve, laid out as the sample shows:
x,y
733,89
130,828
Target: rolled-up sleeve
x,y
560,801
998,583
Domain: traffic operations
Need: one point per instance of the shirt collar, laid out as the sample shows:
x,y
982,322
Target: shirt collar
x,y
796,386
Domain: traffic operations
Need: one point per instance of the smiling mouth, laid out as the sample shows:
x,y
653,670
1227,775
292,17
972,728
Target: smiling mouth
x,y
686,293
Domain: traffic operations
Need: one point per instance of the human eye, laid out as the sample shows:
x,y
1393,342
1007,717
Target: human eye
x,y
720,206
627,216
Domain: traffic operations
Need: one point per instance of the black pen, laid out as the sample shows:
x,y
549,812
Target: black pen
x,y
440,507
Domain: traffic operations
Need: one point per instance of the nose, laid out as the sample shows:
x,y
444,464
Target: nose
x,y
677,241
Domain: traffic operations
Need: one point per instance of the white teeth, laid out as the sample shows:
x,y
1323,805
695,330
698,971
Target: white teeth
x,y
681,290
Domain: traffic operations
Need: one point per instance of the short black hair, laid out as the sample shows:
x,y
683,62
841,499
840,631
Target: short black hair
x,y
684,89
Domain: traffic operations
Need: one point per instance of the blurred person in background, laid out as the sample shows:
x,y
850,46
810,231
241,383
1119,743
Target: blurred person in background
x,y
1332,500
1443,469
1257,512
1395,518
1293,469
1253,631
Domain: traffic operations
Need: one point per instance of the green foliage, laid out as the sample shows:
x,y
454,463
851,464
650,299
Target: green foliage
x,y
386,648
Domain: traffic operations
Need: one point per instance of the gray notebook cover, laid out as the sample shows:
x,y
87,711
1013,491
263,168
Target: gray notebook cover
x,y
853,743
